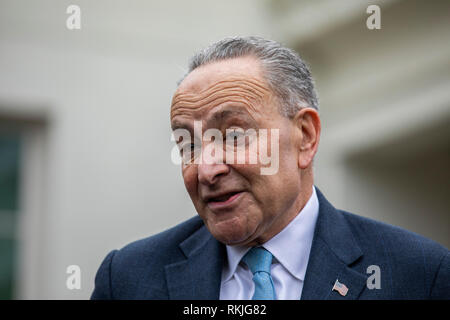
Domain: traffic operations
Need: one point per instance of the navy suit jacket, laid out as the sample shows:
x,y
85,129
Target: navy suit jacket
x,y
185,262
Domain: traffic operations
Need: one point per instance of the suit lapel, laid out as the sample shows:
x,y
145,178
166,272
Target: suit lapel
x,y
324,268
199,275
333,250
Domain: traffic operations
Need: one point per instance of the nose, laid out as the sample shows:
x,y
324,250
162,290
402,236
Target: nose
x,y
208,174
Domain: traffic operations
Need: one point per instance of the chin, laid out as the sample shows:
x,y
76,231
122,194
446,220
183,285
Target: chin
x,y
235,235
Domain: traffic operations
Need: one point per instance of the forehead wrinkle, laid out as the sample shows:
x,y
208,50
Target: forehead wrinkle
x,y
252,87
200,110
243,90
255,83
191,100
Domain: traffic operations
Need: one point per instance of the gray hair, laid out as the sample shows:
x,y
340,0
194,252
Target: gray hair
x,y
286,73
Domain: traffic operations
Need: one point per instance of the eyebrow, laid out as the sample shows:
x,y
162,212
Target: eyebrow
x,y
228,112
223,114
180,125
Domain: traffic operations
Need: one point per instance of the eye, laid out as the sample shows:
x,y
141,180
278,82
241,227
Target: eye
x,y
188,152
186,147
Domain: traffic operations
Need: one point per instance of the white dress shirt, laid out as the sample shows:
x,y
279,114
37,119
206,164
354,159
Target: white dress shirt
x,y
290,249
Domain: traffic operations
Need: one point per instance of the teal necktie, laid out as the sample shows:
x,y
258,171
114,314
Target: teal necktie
x,y
259,260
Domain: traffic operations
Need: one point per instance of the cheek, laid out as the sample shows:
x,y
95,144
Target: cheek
x,y
190,180
273,192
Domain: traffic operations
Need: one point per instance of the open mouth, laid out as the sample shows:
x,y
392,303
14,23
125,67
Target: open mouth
x,y
224,199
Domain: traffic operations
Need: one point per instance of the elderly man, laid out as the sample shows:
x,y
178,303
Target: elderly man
x,y
264,234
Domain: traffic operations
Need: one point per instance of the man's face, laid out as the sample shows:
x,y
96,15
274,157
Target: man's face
x,y
238,204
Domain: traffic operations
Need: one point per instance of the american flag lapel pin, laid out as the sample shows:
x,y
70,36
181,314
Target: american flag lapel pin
x,y
340,287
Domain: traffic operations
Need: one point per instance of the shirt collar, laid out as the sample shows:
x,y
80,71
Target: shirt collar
x,y
290,247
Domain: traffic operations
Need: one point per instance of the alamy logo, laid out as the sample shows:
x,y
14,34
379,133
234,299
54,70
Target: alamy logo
x,y
374,281
374,20
74,279
73,22
234,146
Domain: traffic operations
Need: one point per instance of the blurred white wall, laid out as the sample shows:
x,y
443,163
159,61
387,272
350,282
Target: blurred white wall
x,y
104,94
97,169
385,107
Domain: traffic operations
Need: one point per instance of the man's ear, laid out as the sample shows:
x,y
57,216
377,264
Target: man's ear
x,y
308,125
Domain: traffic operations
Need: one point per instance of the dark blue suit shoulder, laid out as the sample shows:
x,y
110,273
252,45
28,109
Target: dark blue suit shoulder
x,y
137,270
404,257
372,232
160,245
